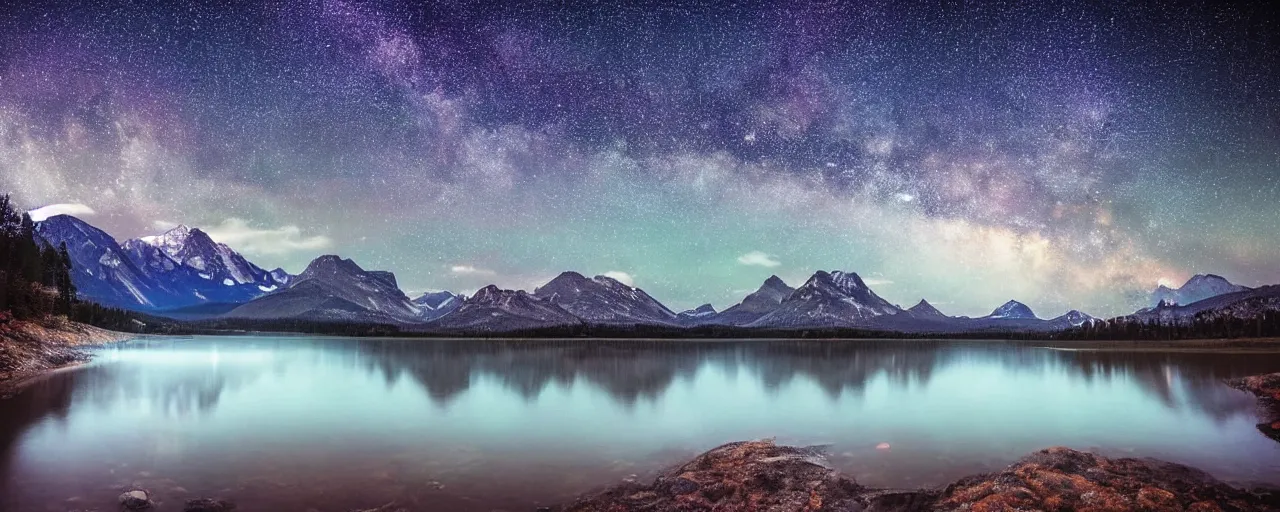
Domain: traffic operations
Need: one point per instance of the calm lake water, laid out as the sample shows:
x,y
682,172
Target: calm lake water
x,y
298,423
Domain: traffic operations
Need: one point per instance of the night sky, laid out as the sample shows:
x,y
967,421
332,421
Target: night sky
x,y
969,153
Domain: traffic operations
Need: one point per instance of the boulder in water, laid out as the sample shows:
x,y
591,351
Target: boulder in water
x,y
136,499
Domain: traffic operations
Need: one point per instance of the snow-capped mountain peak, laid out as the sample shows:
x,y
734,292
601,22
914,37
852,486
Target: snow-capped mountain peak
x,y
1013,309
437,304
1073,318
1198,288
436,300
215,261
281,277
171,241
829,298
700,311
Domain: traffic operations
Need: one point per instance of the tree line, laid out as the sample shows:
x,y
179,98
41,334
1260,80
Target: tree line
x,y
1205,325
35,277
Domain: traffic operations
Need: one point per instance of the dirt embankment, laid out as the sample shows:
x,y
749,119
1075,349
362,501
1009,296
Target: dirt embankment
x,y
30,348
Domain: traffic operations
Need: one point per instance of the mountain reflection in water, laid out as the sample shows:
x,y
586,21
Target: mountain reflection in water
x,y
296,422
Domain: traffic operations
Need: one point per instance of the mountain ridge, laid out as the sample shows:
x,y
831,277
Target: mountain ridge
x,y
183,270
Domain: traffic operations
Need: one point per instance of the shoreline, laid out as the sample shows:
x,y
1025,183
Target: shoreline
x,y
1224,346
34,350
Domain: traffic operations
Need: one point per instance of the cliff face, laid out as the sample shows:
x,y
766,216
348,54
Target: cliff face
x,y
28,348
760,475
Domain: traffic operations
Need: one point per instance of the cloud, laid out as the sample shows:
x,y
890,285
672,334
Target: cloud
x,y
248,239
163,225
758,259
76,209
877,281
621,277
471,270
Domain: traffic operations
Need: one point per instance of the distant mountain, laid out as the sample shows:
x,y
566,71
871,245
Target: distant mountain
x,y
496,310
695,315
214,261
831,299
185,274
1199,287
604,300
333,288
187,286
437,304
924,309
282,278
1240,304
1247,304
1013,310
179,269
1073,318
763,301
101,270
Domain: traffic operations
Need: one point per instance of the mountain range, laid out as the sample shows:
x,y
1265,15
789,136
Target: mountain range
x,y
183,273
177,269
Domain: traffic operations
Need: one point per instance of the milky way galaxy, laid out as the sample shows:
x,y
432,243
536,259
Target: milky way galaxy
x,y
970,153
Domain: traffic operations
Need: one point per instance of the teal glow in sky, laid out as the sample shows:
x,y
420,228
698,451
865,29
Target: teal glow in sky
x,y
1065,156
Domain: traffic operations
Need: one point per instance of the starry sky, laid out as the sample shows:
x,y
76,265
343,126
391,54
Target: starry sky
x,y
1064,155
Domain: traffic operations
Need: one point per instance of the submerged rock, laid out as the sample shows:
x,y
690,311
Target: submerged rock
x,y
136,499
760,475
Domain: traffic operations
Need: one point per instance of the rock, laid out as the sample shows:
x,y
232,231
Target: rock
x,y
208,505
1061,479
1267,389
136,499
756,475
760,475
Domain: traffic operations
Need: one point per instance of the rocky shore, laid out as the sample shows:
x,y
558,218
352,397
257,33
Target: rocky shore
x,y
763,476
29,348
1267,389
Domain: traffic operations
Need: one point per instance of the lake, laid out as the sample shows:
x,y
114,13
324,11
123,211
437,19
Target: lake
x,y
330,424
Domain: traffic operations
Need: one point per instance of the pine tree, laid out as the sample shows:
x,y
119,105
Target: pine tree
x,y
66,288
